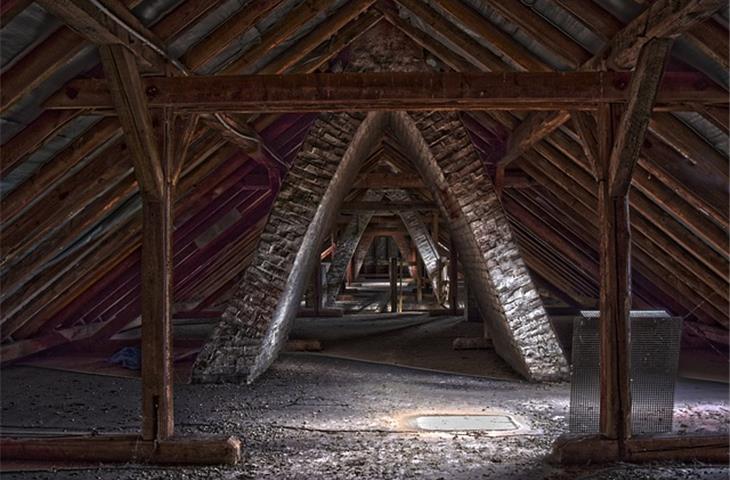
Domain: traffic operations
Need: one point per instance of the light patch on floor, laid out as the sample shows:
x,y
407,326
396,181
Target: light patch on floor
x,y
464,423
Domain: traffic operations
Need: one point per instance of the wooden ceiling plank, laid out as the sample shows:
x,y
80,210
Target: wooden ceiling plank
x,y
227,32
48,123
10,9
503,42
565,172
561,185
643,264
29,265
479,55
35,187
277,34
330,26
16,150
442,52
182,17
542,32
60,204
88,268
91,23
591,14
675,133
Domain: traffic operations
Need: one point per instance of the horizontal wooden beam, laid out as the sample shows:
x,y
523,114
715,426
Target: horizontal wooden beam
x,y
595,449
385,180
393,91
124,449
387,206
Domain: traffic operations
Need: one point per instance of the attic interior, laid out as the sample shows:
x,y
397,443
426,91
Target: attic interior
x,y
364,239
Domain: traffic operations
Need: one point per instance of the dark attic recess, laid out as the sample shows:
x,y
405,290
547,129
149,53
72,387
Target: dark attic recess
x,y
364,239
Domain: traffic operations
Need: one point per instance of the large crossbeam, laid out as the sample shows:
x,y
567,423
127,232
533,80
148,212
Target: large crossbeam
x,y
394,91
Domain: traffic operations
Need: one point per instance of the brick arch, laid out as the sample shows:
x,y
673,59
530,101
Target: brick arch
x,y
438,144
256,322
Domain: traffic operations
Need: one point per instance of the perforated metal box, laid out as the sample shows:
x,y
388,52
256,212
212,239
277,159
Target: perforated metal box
x,y
655,338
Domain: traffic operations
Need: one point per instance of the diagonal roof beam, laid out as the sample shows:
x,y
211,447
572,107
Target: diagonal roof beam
x,y
635,120
665,18
96,26
661,19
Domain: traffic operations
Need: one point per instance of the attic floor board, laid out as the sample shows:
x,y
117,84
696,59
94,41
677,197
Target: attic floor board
x,y
317,417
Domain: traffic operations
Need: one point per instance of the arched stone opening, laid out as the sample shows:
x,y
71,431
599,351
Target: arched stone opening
x,y
354,236
256,323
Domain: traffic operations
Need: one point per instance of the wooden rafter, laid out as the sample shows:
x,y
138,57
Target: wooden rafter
x,y
227,32
635,120
91,23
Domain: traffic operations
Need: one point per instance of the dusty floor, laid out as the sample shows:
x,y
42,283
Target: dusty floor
x,y
315,417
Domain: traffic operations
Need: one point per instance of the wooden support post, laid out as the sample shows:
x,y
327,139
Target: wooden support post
x,y
613,154
393,284
615,301
157,223
453,278
419,274
619,142
499,179
349,273
156,175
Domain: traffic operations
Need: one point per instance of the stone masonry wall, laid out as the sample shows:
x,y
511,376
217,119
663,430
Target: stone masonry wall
x,y
345,249
421,237
257,320
442,151
361,252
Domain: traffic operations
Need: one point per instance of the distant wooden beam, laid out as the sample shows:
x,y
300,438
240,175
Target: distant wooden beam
x,y
453,277
394,91
359,207
533,129
375,180
394,273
